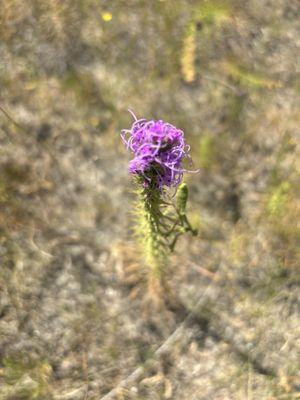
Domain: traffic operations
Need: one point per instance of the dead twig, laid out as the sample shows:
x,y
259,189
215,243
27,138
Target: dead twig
x,y
12,120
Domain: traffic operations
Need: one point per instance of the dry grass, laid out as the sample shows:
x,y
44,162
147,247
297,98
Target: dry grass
x,y
75,315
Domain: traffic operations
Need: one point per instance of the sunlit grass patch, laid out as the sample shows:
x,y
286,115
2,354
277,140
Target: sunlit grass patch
x,y
238,243
249,78
25,379
207,151
283,208
214,11
278,200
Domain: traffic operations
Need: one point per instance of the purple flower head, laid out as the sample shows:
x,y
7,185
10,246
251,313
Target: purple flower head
x,y
158,149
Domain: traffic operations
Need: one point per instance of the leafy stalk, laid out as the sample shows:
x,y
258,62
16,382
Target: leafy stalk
x,y
159,225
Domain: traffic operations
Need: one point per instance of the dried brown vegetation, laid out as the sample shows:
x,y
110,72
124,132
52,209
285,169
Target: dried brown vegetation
x,y
75,319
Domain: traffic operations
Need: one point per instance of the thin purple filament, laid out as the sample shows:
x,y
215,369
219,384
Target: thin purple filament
x,y
159,150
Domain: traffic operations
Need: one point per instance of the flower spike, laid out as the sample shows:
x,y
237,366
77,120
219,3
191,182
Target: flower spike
x,y
159,150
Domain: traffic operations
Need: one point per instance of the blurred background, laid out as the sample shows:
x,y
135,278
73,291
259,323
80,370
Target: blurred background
x,y
73,318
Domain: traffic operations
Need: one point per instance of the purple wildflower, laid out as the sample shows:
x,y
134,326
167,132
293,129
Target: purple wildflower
x,y
159,149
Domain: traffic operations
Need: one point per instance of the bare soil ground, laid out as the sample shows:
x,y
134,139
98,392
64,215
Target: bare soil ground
x,y
76,320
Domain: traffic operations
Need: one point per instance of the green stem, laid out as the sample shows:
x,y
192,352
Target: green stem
x,y
153,238
159,227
